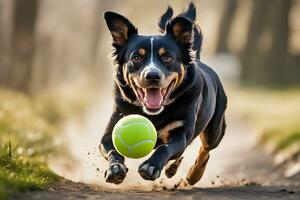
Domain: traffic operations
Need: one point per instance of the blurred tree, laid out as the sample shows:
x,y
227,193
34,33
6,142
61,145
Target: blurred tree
x,y
44,43
6,17
19,74
66,41
266,59
225,25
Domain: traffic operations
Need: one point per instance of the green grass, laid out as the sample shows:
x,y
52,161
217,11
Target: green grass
x,y
29,134
274,113
282,139
26,139
19,172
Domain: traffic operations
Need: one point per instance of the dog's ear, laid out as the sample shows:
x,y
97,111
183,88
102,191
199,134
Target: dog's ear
x,y
120,28
164,19
181,29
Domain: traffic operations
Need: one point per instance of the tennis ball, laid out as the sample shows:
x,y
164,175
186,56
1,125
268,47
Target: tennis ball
x,y
134,136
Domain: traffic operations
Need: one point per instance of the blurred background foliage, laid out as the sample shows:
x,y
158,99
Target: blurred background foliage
x,y
54,59
44,43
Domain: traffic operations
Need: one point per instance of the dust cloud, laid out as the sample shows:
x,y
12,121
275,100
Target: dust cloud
x,y
85,164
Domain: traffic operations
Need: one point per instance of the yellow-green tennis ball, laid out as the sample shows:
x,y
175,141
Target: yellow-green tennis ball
x,y
134,136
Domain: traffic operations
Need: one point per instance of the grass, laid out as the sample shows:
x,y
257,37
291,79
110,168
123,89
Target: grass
x,y
29,134
275,114
282,139
19,172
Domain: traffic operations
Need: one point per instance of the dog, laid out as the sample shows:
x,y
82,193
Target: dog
x,y
162,78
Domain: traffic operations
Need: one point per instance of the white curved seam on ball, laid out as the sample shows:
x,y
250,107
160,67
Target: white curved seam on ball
x,y
141,142
129,150
139,123
122,140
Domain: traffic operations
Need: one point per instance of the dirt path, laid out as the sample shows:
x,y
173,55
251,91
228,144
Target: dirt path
x,y
238,169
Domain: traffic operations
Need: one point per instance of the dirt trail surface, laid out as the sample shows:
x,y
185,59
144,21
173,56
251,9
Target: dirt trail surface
x,y
237,169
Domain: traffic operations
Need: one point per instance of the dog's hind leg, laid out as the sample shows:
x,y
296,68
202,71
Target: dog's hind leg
x,y
196,171
210,139
173,167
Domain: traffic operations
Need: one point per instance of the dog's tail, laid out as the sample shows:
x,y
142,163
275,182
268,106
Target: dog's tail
x,y
190,14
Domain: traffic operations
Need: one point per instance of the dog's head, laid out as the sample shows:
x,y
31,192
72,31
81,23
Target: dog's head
x,y
153,66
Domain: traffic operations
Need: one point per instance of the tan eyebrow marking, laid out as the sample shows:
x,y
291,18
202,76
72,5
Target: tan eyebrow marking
x,y
142,51
161,51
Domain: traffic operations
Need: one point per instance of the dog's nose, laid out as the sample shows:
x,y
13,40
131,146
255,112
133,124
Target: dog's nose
x,y
153,76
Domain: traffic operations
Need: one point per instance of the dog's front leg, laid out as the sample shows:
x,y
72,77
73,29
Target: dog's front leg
x,y
151,168
117,170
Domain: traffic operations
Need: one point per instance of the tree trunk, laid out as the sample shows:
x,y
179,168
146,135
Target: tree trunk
x,y
66,42
225,26
6,17
278,54
22,44
250,66
267,66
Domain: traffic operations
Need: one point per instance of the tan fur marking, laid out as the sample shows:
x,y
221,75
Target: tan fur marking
x,y
161,51
167,80
132,80
180,34
181,76
142,51
164,133
196,171
125,73
121,32
124,95
177,29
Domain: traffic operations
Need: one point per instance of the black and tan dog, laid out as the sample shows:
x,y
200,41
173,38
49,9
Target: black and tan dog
x,y
162,78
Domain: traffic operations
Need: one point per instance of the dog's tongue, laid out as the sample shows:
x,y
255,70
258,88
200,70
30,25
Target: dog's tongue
x,y
153,98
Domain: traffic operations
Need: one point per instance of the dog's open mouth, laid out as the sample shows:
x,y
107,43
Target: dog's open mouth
x,y
153,98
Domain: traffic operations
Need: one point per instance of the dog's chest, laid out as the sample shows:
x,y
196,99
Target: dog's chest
x,y
164,133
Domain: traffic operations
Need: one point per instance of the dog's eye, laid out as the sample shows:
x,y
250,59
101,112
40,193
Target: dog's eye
x,y
137,59
167,59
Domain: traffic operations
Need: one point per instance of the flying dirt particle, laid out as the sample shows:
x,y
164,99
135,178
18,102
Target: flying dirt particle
x,y
98,169
252,183
287,191
212,182
161,181
89,153
176,186
218,176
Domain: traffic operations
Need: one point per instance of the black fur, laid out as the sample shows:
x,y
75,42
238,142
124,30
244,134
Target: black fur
x,y
198,100
164,19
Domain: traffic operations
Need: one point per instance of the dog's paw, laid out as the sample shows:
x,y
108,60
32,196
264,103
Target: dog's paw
x,y
149,171
115,173
172,168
